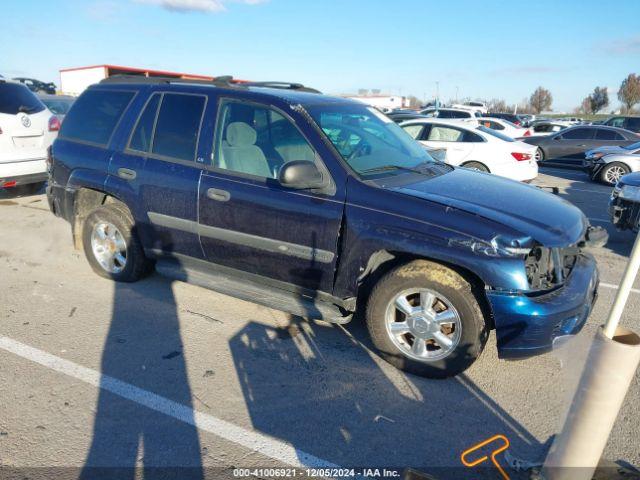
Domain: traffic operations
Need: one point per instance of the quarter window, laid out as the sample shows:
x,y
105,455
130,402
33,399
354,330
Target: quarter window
x,y
94,116
141,139
178,125
413,130
256,140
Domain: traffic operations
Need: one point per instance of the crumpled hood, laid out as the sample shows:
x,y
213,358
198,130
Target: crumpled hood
x,y
632,179
543,216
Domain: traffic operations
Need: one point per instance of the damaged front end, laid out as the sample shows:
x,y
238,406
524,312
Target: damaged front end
x,y
562,287
624,206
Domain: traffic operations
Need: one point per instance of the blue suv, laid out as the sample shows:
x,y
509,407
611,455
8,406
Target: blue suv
x,y
321,207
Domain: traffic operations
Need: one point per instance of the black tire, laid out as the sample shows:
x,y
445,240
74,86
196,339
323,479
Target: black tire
x,y
118,215
481,167
539,155
611,170
443,281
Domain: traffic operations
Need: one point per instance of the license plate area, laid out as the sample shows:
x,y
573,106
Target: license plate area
x,y
27,142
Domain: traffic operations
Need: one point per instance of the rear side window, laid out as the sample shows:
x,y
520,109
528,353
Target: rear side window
x,y
445,134
141,138
633,124
578,134
178,126
15,98
94,116
604,134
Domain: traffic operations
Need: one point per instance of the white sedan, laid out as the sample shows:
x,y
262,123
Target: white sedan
x,y
477,147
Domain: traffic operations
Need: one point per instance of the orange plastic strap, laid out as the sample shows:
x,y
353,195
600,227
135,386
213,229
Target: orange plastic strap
x,y
478,461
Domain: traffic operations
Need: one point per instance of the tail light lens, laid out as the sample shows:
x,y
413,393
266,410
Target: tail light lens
x,y
527,133
54,124
518,123
521,157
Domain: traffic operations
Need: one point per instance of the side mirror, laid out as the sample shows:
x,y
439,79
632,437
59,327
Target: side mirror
x,y
301,174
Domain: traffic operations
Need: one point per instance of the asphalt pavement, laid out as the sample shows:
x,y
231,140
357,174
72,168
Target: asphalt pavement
x,y
164,374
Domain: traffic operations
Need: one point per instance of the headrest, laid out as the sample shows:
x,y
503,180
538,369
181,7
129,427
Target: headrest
x,y
240,134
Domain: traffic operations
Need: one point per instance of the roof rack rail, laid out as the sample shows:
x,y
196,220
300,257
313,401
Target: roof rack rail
x,y
225,81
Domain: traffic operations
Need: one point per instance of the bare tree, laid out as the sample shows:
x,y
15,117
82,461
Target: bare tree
x,y
540,100
598,100
585,106
629,93
497,105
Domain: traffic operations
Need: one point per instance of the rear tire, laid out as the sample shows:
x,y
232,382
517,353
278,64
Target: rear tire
x,y
450,338
539,155
480,167
111,244
611,173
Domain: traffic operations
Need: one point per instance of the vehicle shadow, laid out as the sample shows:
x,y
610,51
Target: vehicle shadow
x,y
144,349
318,387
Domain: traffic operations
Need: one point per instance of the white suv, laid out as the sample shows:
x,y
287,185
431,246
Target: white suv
x,y
27,129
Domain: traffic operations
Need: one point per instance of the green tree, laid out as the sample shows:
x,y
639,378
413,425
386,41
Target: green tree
x,y
629,93
540,100
599,99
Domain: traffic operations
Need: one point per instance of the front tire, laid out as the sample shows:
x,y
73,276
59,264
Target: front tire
x,y
612,172
424,319
111,244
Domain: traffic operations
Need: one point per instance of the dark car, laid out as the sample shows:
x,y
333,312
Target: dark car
x,y
568,147
37,86
58,104
513,118
400,117
321,207
624,205
628,123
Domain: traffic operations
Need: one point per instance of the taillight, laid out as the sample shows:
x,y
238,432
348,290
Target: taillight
x,y
54,124
527,133
517,123
521,157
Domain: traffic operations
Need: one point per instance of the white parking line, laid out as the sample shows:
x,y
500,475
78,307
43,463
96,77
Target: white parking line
x,y
615,287
604,220
257,442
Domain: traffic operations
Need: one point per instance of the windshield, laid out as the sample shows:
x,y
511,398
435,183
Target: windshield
x,y
367,140
495,133
58,106
633,146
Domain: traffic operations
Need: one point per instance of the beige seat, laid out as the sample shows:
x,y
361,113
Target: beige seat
x,y
240,154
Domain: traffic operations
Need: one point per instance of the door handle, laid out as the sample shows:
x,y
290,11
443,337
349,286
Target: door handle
x,y
127,174
582,145
218,195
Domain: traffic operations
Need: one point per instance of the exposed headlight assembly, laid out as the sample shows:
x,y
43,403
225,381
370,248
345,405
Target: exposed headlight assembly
x,y
547,268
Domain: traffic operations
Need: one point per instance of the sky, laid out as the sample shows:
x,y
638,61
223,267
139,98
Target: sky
x,y
477,49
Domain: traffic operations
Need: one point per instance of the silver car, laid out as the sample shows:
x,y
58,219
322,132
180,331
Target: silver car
x,y
607,164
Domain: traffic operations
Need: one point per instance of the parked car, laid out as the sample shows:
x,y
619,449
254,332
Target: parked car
x,y
37,86
27,129
512,117
322,207
449,113
624,205
628,123
505,127
476,147
609,166
568,146
546,127
59,105
400,117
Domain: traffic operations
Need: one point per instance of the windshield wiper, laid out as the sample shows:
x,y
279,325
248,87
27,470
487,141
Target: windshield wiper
x,y
25,109
384,168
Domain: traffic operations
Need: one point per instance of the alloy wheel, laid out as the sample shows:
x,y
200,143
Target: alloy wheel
x,y
109,247
423,324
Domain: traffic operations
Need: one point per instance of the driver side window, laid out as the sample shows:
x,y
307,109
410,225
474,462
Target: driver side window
x,y
257,140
